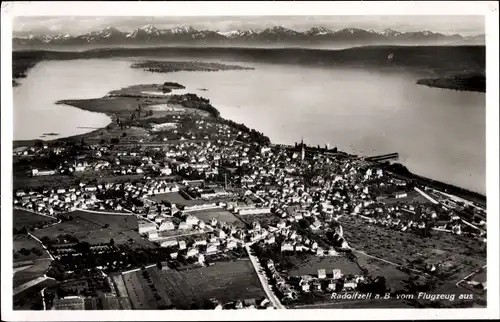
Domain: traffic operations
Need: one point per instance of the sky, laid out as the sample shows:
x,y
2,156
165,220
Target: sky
x,y
75,25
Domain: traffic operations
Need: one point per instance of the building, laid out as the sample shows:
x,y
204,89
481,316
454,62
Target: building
x,y
337,274
169,243
73,303
167,225
321,273
152,234
145,227
191,220
192,252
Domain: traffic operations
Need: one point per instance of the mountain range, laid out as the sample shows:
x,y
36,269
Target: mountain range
x,y
316,36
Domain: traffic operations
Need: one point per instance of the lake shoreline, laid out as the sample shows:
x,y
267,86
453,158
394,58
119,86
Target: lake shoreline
x,y
81,104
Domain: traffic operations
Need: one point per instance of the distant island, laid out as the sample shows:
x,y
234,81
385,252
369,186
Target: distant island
x,y
190,66
471,82
50,134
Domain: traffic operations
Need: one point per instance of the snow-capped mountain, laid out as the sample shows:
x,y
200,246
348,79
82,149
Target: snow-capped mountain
x,y
318,31
186,35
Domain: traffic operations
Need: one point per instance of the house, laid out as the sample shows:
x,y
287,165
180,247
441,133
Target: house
x,y
281,224
191,220
337,274
192,252
174,255
286,247
270,240
167,225
152,234
199,242
145,227
306,287
212,249
321,273
315,225
221,233
169,243
332,252
183,226
182,245
231,244
350,285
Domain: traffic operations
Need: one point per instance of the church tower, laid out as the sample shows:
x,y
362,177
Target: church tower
x,y
303,151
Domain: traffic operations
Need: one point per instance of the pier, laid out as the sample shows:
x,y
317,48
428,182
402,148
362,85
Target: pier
x,y
383,157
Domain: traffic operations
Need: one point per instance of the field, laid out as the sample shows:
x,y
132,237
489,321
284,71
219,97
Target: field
x,y
24,241
309,265
394,277
219,214
23,218
97,228
454,254
226,281
176,198
145,290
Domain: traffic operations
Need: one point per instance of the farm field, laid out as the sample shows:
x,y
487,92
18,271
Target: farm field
x,y
481,277
36,270
394,277
224,281
412,197
219,214
23,218
30,299
309,265
145,291
97,228
21,241
454,254
120,285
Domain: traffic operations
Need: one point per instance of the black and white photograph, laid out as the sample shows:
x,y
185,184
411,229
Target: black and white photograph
x,y
196,157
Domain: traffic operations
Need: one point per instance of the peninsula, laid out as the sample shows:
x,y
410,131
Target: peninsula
x,y
172,191
469,82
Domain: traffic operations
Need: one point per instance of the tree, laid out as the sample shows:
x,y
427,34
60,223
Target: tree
x,y
111,242
124,134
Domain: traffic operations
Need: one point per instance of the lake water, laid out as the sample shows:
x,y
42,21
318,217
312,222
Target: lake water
x,y
438,133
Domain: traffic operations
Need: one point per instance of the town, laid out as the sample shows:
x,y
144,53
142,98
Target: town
x,y
191,211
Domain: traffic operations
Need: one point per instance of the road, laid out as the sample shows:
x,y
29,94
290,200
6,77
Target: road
x,y
426,196
43,246
263,280
42,293
466,277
